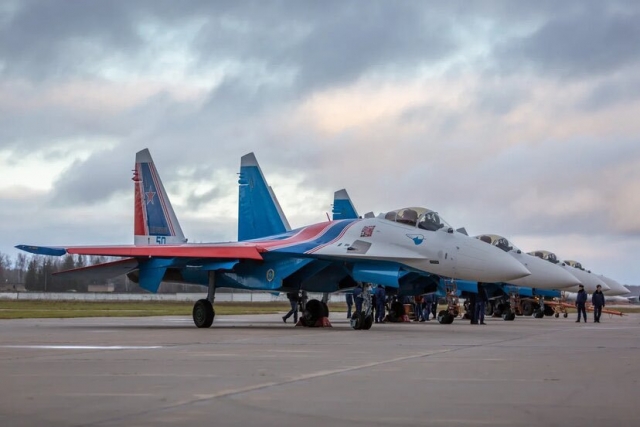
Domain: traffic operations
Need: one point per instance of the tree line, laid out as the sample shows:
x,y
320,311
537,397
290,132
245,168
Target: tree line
x,y
36,273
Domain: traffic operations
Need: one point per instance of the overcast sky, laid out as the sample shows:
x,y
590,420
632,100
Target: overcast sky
x,y
515,118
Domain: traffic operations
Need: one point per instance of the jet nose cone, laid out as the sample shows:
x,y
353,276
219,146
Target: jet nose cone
x,y
507,268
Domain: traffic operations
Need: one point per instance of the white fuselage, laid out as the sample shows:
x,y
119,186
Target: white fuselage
x,y
615,288
438,252
589,280
544,274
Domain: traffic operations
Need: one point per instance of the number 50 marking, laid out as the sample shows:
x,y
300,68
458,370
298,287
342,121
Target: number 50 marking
x,y
161,240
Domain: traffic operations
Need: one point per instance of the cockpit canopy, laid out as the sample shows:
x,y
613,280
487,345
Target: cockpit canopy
x,y
423,218
575,264
549,256
498,241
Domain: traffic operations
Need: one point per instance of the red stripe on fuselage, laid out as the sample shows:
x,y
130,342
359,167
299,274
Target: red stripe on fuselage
x,y
344,230
308,233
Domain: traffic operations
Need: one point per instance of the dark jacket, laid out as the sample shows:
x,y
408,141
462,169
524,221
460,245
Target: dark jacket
x,y
482,294
380,293
349,298
292,296
597,299
582,297
357,293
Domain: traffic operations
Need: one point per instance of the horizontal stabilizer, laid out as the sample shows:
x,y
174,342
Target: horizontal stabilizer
x,y
42,250
107,270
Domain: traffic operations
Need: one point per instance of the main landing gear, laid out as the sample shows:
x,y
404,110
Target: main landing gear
x,y
203,312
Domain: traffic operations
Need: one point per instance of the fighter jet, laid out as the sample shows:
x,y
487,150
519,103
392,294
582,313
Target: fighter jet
x,y
406,244
544,275
589,280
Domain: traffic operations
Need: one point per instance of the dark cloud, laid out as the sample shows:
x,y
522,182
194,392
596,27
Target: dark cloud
x,y
592,38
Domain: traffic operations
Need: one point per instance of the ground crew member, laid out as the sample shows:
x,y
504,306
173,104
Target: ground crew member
x,y
357,298
417,307
581,301
381,296
349,298
293,301
481,303
597,299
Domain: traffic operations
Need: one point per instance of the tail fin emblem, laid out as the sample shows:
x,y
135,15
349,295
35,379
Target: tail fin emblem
x,y
149,195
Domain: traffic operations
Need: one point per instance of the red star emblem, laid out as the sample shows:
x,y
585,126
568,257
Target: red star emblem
x,y
149,195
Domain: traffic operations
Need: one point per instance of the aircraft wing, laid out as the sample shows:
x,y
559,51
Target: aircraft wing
x,y
219,250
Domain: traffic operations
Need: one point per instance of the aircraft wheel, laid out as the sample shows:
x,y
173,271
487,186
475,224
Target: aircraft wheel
x,y
557,315
548,310
441,316
368,321
203,313
466,316
357,320
312,312
538,314
448,318
527,309
489,310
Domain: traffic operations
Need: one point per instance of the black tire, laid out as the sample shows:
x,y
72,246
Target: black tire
x,y
489,309
527,308
396,311
565,315
367,322
312,312
203,313
442,314
448,318
357,321
548,310
557,315
538,314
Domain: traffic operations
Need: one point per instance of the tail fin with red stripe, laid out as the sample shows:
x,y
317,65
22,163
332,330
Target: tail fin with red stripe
x,y
155,221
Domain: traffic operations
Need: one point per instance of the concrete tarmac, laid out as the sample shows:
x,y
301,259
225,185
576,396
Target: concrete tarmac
x,y
258,371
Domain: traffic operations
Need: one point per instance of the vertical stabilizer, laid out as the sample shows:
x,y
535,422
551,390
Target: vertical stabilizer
x,y
155,221
342,206
259,212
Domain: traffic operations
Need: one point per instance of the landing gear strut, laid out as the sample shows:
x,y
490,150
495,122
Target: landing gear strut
x,y
203,312
446,317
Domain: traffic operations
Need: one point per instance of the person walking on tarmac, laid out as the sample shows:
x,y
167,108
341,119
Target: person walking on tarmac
x,y
381,296
597,299
581,301
293,301
349,299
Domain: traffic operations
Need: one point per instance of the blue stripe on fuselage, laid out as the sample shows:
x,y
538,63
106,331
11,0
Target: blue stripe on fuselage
x,y
330,234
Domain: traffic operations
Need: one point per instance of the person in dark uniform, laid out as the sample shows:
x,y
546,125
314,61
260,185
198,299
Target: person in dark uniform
x,y
349,298
381,296
581,301
473,298
481,303
357,298
293,301
597,299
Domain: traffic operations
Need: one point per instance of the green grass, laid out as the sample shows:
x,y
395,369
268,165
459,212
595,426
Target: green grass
x,y
68,309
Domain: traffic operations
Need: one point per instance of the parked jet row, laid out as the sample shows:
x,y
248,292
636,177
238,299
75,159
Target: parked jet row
x,y
415,248
527,294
